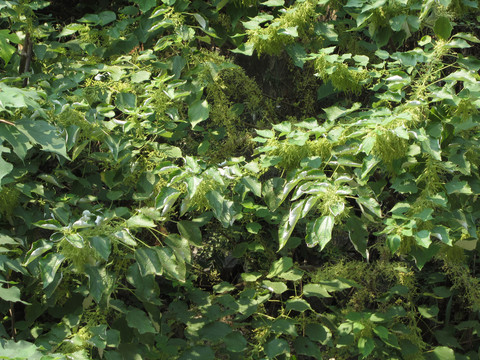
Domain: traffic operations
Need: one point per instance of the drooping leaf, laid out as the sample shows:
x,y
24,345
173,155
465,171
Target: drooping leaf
x,y
320,232
148,260
100,281
50,265
443,28
299,305
198,112
315,290
5,167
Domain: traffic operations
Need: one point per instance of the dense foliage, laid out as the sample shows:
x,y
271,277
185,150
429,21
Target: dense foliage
x,y
233,179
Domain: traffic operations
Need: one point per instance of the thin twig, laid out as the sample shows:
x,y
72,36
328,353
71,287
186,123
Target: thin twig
x,y
7,122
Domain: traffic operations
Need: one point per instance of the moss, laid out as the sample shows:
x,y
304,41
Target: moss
x,y
79,257
9,197
270,41
389,147
342,77
463,281
375,279
292,154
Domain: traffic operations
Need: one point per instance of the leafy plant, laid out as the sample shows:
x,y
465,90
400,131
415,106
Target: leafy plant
x,y
239,180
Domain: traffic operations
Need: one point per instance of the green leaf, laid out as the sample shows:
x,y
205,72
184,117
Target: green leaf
x,y
289,222
148,261
443,28
76,240
366,346
442,233
215,331
253,228
102,245
358,234
458,187
198,112
166,199
198,352
125,237
317,332
280,266
5,167
11,294
19,141
19,350
276,347
299,305
469,245
235,342
273,3
423,238
201,20
252,184
190,231
251,277
289,31
244,49
428,312
441,353
304,346
320,233
174,269
140,220
137,319
38,248
49,266
99,281
371,204
276,287
223,210
126,102
316,290
145,5
284,326
6,50
180,247
42,133
102,19
141,76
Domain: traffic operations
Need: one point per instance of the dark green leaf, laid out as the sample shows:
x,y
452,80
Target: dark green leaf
x,y
100,281
198,112
215,331
443,28
137,319
49,266
304,346
190,231
299,305
235,342
148,260
276,347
